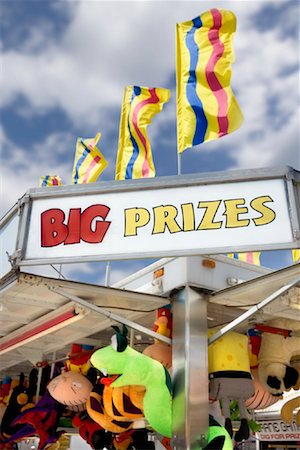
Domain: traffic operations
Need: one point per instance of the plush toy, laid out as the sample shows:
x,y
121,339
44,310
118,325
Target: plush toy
x,y
95,409
161,353
261,398
135,368
86,427
72,389
118,405
289,408
218,437
230,377
278,347
42,420
163,322
79,358
140,441
18,399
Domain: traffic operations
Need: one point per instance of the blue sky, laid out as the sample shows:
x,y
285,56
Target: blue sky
x,y
64,68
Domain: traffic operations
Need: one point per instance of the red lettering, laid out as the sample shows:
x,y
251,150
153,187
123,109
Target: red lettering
x,y
73,227
89,226
53,230
101,226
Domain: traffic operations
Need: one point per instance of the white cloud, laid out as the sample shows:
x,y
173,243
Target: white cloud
x,y
21,171
108,45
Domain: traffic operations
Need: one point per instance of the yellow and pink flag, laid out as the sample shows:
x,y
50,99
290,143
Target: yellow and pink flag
x,y
249,257
206,106
89,162
140,104
296,255
50,180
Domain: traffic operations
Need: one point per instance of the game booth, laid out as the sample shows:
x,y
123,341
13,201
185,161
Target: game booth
x,y
197,350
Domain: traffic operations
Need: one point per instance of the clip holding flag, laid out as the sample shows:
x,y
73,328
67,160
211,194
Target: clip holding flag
x,y
89,162
206,106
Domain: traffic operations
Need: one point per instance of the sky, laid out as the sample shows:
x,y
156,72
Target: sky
x,y
65,65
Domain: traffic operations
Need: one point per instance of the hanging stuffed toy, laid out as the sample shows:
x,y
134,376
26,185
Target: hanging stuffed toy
x,y
18,399
134,368
41,420
96,411
72,389
79,358
4,394
261,398
280,343
87,428
230,377
118,404
217,437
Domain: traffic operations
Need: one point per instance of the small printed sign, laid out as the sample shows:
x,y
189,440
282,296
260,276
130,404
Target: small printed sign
x,y
279,431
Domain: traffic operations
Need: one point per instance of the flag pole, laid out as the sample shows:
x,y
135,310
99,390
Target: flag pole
x,y
178,163
107,274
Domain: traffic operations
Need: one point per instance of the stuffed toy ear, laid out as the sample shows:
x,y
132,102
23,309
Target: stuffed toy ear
x,y
119,340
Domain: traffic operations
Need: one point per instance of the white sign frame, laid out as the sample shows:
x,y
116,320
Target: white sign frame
x,y
222,212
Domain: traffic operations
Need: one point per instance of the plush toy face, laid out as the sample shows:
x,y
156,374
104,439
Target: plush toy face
x,y
71,389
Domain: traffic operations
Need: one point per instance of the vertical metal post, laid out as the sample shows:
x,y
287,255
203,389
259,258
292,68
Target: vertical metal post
x,y
189,369
38,384
52,365
107,274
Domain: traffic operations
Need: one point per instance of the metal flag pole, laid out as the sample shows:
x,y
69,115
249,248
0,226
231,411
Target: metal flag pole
x,y
107,273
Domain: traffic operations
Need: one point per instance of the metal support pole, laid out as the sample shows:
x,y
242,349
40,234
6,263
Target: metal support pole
x,y
189,369
252,311
52,365
38,384
107,274
112,316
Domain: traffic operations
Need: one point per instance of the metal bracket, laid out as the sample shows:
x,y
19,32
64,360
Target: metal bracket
x,y
111,315
15,258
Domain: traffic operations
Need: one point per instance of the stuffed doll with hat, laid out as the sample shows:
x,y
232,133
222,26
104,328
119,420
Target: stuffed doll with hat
x,y
134,368
280,343
230,377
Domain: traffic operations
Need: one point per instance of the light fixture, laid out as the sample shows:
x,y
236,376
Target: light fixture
x,y
45,325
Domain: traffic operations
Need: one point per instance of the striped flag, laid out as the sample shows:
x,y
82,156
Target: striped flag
x,y
206,106
249,257
89,162
50,180
296,255
140,104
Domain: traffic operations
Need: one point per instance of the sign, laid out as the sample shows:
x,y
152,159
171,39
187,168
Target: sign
x,y
278,430
154,219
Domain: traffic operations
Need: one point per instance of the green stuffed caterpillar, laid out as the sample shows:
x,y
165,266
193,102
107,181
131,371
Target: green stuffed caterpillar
x,y
134,368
